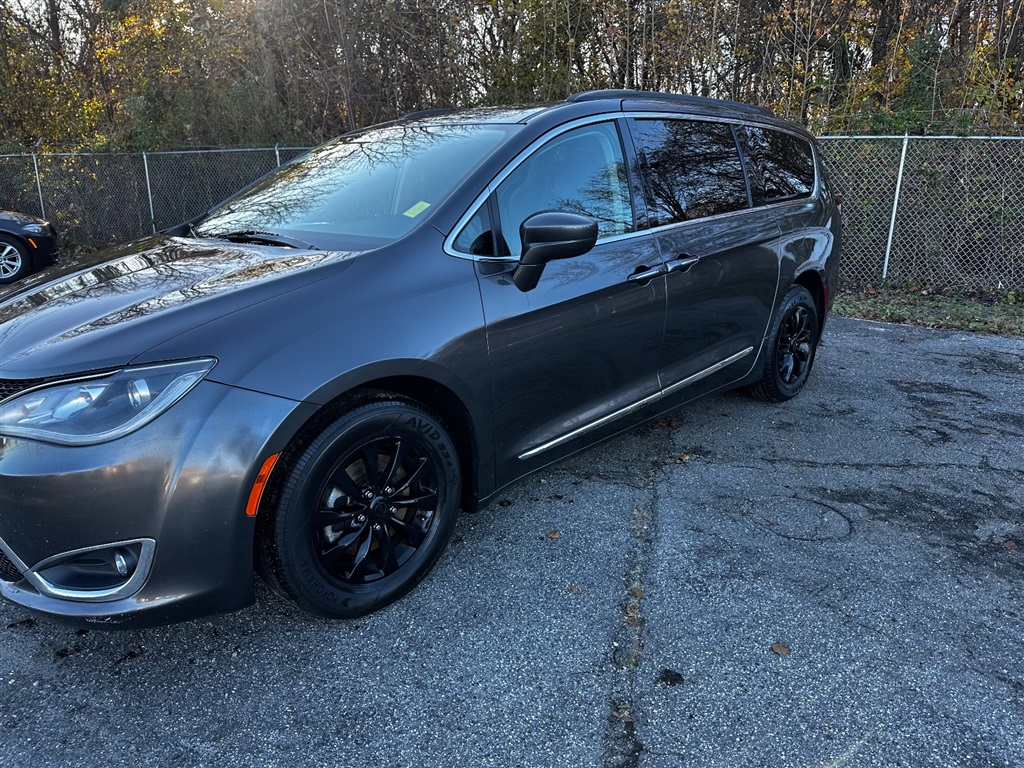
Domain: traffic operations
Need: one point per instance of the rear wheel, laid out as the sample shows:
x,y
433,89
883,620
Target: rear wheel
x,y
15,261
363,511
794,340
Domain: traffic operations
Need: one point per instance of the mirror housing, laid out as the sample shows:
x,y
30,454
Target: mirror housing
x,y
549,236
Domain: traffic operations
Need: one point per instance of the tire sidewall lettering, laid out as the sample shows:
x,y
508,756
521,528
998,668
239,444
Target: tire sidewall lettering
x,y
309,574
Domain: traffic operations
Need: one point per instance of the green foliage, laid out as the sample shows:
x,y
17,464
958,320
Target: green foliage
x,y
147,74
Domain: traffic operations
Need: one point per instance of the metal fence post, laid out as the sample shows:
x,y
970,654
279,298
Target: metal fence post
x,y
277,154
39,187
149,192
895,206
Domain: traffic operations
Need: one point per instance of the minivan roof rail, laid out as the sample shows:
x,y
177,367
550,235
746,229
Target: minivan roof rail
x,y
678,98
428,113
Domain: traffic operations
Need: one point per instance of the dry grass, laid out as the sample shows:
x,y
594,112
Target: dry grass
x,y
1001,313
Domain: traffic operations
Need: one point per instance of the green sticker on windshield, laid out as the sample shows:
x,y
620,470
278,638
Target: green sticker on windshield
x,y
417,209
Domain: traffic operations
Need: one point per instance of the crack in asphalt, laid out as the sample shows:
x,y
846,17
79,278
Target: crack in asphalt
x,y
622,745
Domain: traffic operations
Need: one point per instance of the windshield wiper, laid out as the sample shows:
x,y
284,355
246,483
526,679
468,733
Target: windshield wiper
x,y
269,238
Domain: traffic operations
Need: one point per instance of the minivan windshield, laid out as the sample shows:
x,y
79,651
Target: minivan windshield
x,y
359,191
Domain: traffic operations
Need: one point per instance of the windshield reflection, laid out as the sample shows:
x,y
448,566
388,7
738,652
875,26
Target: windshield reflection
x,y
374,186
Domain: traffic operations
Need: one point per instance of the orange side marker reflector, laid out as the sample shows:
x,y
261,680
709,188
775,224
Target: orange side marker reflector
x,y
261,482
33,243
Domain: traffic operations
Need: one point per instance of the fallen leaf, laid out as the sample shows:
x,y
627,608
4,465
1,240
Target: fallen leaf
x,y
1010,544
574,589
554,534
780,648
683,457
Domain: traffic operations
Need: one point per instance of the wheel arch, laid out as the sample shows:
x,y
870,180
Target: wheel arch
x,y
427,392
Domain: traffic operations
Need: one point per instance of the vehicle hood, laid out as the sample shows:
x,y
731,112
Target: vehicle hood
x,y
18,220
104,310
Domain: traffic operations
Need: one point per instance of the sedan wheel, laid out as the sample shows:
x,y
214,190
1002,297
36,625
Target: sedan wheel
x,y
364,511
14,260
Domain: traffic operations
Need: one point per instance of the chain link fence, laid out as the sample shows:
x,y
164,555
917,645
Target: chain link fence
x,y
96,200
942,212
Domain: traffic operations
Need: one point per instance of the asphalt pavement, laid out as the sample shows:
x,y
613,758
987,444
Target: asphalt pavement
x,y
834,581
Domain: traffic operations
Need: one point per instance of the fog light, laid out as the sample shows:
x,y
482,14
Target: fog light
x,y
121,562
105,572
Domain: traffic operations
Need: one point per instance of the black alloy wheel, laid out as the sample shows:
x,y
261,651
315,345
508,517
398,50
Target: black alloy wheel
x,y
794,340
364,511
375,510
794,346
15,261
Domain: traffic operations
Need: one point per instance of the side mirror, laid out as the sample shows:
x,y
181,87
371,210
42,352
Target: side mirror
x,y
549,236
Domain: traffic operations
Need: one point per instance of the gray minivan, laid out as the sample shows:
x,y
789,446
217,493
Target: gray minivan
x,y
316,376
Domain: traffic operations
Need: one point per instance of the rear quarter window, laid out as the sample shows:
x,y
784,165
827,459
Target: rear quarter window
x,y
782,165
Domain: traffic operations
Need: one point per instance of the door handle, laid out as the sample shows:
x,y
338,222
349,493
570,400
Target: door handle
x,y
683,263
644,274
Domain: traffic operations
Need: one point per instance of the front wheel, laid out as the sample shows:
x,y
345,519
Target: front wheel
x,y
15,262
794,340
363,512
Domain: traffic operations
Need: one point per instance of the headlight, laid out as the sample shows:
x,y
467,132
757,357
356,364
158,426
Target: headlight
x,y
35,229
94,410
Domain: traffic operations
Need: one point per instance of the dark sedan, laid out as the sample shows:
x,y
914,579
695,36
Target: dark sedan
x,y
316,377
27,244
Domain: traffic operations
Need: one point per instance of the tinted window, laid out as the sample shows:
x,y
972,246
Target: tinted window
x,y
783,163
582,171
370,188
693,169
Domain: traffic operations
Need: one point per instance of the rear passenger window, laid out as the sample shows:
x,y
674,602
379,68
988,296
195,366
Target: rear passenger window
x,y
783,164
693,169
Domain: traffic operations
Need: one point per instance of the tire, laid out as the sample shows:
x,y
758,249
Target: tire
x,y
15,261
794,340
363,511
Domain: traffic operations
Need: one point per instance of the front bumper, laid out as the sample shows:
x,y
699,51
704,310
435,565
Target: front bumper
x,y
45,250
181,482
